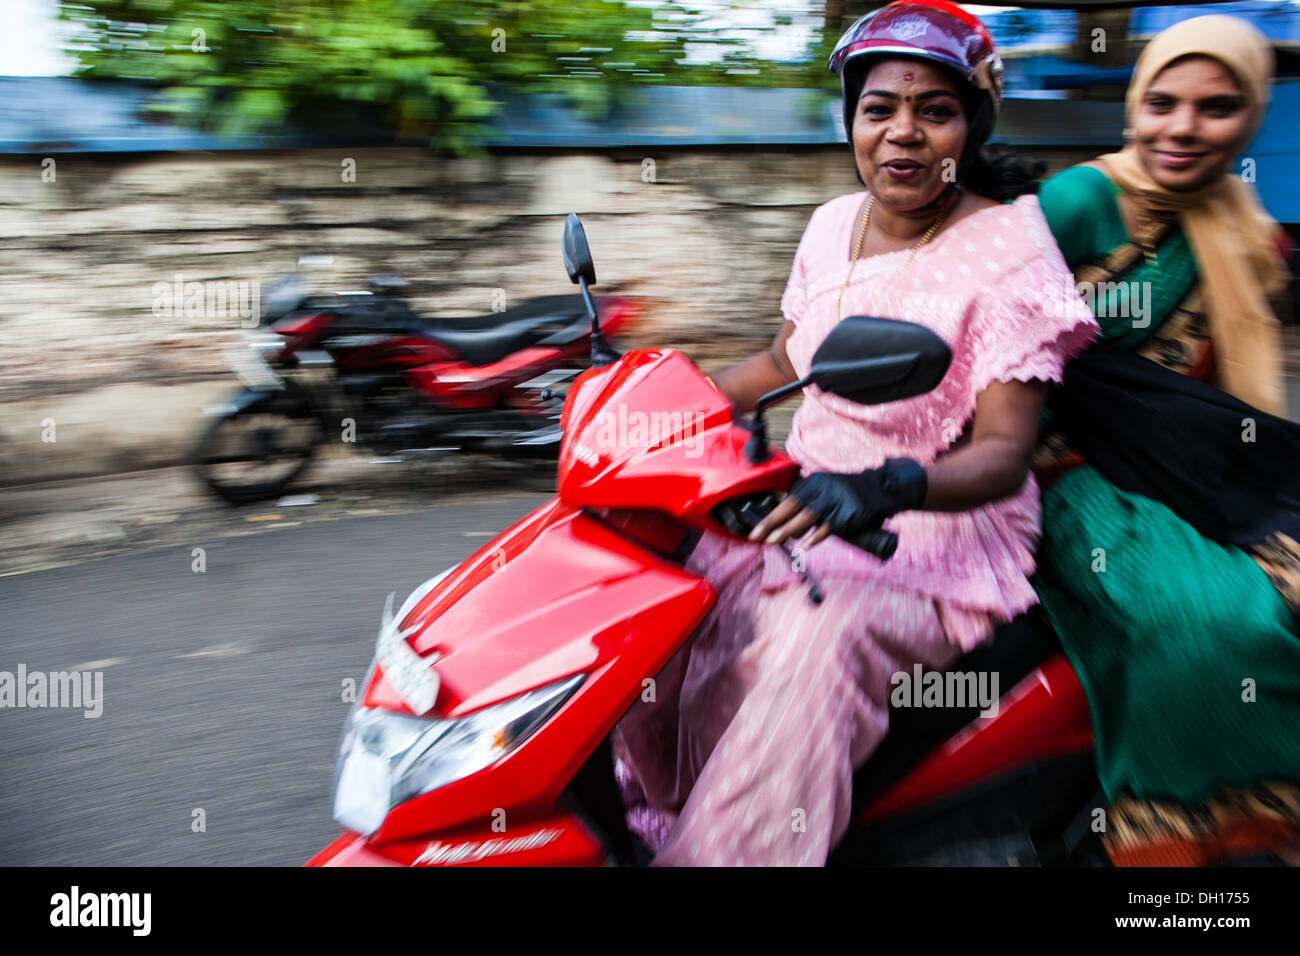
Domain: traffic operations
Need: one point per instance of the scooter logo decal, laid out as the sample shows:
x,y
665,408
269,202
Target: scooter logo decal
x,y
438,853
411,675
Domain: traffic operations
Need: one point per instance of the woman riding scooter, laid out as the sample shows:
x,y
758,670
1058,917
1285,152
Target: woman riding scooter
x,y
759,722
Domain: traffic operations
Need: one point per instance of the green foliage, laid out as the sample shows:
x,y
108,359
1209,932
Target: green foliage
x,y
420,67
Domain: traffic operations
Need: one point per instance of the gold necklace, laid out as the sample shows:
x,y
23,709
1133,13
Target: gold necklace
x,y
862,234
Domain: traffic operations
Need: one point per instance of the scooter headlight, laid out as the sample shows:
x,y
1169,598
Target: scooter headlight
x,y
386,759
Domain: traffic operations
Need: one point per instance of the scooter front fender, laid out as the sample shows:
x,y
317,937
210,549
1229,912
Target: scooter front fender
x,y
559,594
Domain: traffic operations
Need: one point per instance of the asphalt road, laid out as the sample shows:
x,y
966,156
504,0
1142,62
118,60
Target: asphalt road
x,y
222,689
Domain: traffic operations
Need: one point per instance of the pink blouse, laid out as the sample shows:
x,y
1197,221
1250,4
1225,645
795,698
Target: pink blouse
x,y
994,287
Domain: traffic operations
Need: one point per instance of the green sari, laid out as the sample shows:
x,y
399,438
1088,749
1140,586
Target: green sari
x,y
1187,649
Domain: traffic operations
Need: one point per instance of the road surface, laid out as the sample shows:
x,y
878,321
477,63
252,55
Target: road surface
x,y
222,689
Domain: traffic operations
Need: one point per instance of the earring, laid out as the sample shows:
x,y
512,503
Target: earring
x,y
1129,135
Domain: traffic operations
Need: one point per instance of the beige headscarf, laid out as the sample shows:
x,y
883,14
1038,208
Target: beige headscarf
x,y
1231,235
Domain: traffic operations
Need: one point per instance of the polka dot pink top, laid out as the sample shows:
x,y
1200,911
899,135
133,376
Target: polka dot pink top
x,y
995,288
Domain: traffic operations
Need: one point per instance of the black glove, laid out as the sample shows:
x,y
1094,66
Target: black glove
x,y
851,504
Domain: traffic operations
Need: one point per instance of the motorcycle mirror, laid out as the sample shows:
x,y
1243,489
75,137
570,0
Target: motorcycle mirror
x,y
871,360
577,257
577,261
866,360
281,296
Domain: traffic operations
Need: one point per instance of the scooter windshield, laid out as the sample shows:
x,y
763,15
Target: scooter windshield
x,y
651,431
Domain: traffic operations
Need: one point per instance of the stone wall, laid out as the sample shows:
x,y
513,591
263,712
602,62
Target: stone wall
x,y
707,236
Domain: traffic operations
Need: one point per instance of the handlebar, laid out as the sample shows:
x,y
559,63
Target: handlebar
x,y
742,515
877,541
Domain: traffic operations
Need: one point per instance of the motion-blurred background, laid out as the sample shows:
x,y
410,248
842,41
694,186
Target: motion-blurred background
x,y
442,141
141,140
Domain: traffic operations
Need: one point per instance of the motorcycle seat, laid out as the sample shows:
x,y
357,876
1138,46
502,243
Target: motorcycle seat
x,y
1018,647
482,340
549,306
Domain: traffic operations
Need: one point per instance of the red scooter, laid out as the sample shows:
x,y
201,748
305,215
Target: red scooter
x,y
482,733
364,369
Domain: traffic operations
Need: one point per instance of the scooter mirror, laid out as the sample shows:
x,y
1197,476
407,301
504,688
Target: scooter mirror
x,y
871,360
577,257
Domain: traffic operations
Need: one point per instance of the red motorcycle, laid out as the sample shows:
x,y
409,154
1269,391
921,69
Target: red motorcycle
x,y
482,732
363,368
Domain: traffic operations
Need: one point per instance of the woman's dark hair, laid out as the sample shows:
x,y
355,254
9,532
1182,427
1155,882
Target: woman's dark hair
x,y
985,169
990,169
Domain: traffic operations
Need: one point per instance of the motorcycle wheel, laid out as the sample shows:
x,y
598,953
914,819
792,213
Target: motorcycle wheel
x,y
255,454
